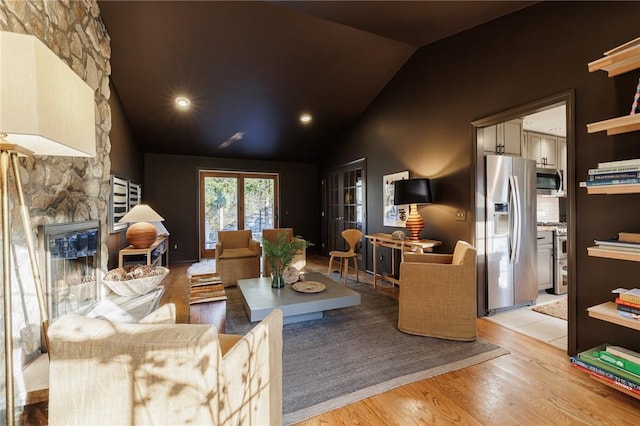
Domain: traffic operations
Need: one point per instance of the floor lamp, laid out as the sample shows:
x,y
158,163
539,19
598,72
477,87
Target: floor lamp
x,y
45,109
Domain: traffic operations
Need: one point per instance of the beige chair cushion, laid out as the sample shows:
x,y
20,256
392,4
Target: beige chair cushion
x,y
235,253
165,314
234,239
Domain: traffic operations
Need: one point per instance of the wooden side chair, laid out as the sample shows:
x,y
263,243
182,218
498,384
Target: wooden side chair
x,y
351,236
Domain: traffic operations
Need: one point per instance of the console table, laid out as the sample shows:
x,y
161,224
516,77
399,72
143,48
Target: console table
x,y
385,240
156,254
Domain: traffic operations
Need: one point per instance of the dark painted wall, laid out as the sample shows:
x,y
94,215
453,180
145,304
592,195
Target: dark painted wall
x,y
421,122
171,188
127,161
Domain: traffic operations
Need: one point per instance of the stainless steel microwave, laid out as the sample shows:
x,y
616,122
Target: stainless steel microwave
x,y
549,181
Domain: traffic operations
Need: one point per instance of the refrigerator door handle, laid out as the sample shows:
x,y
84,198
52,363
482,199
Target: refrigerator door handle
x,y
518,221
513,220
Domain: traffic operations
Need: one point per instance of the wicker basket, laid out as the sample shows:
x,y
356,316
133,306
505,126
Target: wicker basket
x,y
138,286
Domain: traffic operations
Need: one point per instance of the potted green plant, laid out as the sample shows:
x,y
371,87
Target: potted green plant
x,y
279,253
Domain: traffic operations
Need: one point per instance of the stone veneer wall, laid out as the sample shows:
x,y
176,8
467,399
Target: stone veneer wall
x,y
64,189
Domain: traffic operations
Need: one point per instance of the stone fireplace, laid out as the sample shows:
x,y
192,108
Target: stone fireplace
x,y
60,189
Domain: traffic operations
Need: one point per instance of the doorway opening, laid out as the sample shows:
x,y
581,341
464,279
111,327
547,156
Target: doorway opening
x,y
344,207
235,201
543,133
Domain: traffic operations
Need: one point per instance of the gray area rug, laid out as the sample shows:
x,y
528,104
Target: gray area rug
x,y
353,353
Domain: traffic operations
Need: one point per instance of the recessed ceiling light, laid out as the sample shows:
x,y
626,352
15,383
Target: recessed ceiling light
x,y
306,118
182,102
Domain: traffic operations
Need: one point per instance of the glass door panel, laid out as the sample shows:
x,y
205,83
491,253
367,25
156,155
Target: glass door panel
x,y
259,214
343,205
232,201
220,207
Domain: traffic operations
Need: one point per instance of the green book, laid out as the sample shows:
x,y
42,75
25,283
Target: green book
x,y
617,361
589,357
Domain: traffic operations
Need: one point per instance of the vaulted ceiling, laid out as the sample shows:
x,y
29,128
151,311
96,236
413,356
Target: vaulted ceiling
x,y
251,68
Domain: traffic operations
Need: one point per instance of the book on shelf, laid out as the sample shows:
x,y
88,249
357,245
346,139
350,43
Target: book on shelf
x,y
625,303
628,237
202,289
609,170
589,358
620,163
632,295
624,353
620,362
211,295
204,279
205,283
610,377
613,176
612,247
626,308
615,242
629,315
604,182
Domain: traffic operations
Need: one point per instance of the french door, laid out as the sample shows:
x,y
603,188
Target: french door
x,y
344,201
232,201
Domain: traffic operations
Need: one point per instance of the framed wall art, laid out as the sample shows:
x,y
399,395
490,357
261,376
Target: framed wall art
x,y
393,215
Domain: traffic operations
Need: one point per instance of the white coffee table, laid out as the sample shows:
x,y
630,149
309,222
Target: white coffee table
x,y
260,299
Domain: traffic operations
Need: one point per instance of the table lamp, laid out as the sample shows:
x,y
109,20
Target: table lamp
x,y
142,233
412,192
45,109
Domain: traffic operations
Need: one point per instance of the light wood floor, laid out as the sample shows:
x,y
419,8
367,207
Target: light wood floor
x,y
533,385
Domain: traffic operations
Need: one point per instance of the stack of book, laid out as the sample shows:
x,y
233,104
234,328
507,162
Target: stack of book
x,y
628,303
626,241
614,365
615,173
206,288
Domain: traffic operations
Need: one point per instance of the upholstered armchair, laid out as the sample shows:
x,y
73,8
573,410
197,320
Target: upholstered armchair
x,y
299,260
105,373
438,294
237,256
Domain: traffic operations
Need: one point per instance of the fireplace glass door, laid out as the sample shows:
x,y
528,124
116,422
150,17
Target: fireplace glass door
x,y
69,260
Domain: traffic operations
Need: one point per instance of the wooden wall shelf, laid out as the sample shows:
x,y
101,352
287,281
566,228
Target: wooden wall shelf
x,y
615,126
614,254
608,312
619,60
630,188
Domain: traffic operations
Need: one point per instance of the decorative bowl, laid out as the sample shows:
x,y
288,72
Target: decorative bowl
x,y
137,286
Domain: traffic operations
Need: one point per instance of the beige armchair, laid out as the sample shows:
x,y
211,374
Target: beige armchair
x,y
299,260
237,256
438,294
104,373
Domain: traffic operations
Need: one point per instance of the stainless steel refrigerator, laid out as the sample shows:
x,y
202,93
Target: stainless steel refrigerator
x,y
510,232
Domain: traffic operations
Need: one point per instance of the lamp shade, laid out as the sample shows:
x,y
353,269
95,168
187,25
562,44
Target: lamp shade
x,y
141,213
45,106
412,191
142,233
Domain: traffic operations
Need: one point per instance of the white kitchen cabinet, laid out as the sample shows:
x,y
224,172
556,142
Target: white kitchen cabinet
x,y
504,138
543,149
562,160
545,260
